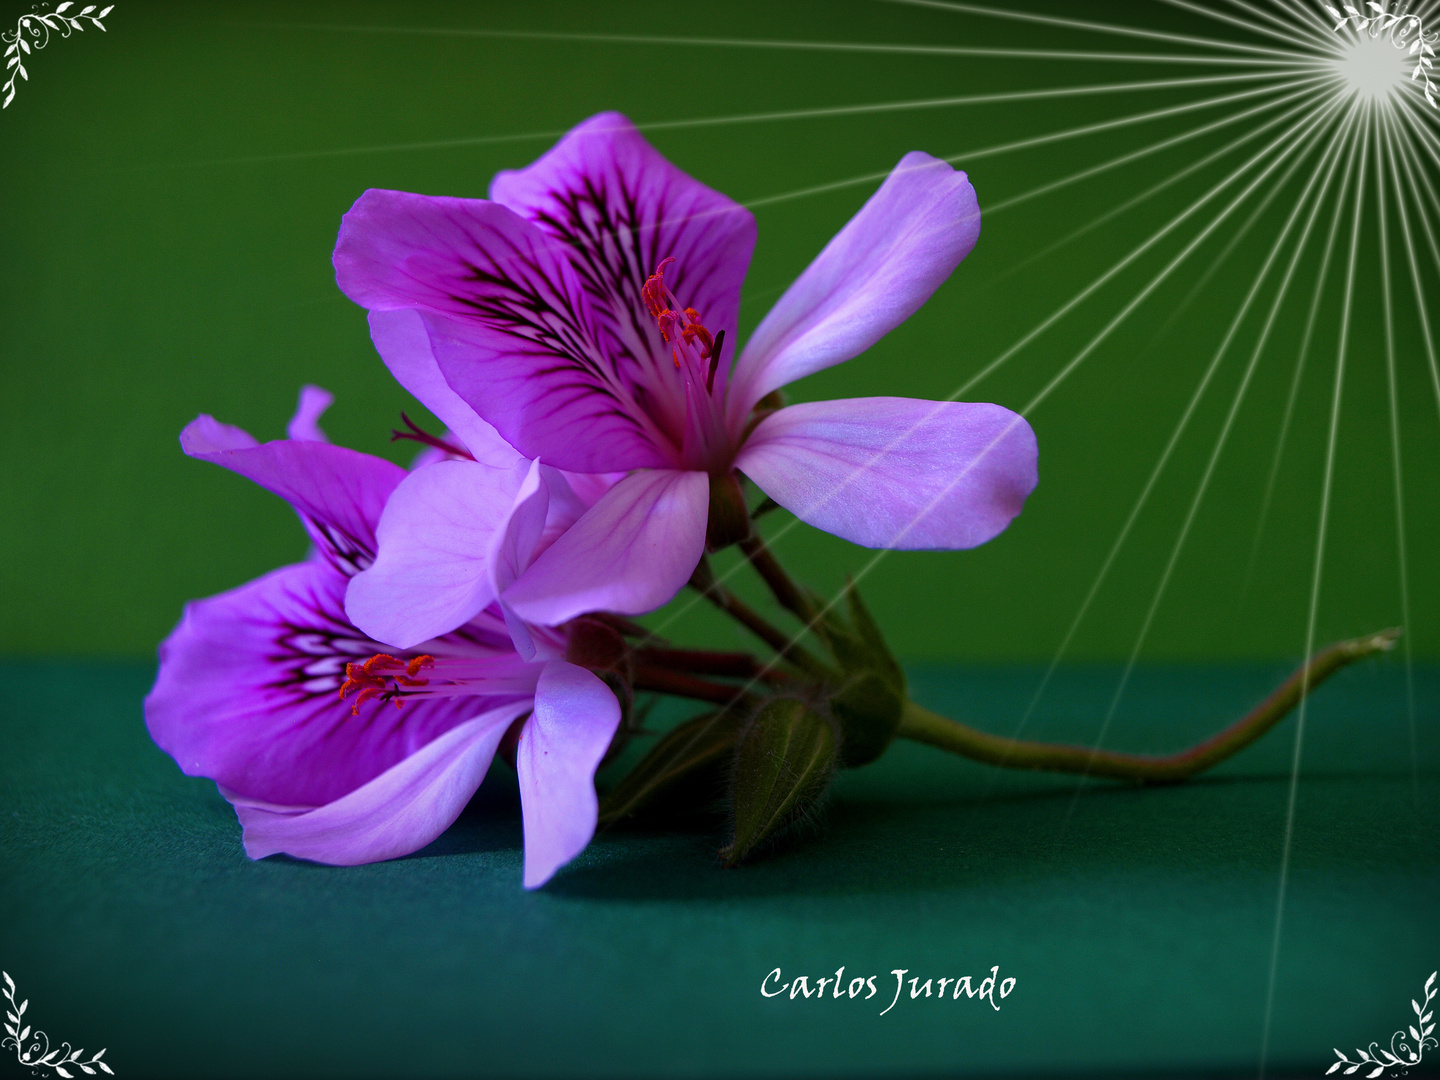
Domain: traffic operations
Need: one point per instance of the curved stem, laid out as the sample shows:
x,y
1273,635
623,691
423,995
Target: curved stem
x,y
922,725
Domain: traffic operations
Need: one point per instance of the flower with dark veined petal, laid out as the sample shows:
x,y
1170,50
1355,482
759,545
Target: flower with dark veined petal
x,y
251,682
588,311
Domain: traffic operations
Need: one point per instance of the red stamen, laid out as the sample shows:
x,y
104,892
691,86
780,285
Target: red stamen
x,y
364,678
678,330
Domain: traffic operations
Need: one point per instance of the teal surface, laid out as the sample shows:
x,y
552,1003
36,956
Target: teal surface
x,y
173,189
1137,923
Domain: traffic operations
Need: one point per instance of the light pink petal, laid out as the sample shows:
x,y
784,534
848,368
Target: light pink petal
x,y
339,493
876,272
399,811
895,472
560,748
304,426
630,553
436,539
400,338
508,321
620,208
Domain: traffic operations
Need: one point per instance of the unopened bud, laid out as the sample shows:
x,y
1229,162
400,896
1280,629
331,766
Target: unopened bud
x,y
783,765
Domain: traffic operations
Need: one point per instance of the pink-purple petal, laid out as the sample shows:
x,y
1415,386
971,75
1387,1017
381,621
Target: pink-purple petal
x,y
630,553
304,426
560,747
339,493
432,572
403,343
896,472
508,321
620,208
872,276
398,812
248,693
206,435
573,413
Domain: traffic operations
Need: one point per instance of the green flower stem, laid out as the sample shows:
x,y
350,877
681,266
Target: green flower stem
x,y
922,725
703,581
787,593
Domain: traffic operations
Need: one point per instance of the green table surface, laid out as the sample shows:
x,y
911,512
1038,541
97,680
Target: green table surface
x,y
1138,924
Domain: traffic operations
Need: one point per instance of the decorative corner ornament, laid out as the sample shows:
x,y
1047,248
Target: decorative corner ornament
x,y
38,1055
32,32
1401,1054
1400,26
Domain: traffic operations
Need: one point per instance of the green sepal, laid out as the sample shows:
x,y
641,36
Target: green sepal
x,y
783,764
696,753
871,694
728,519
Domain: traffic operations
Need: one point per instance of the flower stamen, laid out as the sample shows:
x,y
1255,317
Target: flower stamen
x,y
372,678
681,328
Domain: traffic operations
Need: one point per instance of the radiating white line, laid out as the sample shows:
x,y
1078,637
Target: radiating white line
x,y
1304,13
1336,142
1150,192
1427,333
1165,144
1424,137
1318,119
1290,400
874,561
1174,223
1099,28
1239,398
1383,131
1364,145
966,156
1295,135
1318,35
765,117
900,48
1232,20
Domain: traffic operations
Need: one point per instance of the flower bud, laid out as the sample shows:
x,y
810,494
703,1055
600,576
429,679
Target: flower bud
x,y
683,772
783,765
872,693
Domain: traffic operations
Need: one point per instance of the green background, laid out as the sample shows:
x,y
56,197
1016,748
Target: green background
x,y
172,190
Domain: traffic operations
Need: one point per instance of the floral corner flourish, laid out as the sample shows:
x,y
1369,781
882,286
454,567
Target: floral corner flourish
x,y
39,1055
1401,1054
38,27
1400,25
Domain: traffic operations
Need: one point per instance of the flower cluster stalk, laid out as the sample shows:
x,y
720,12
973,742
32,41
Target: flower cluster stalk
x,y
920,724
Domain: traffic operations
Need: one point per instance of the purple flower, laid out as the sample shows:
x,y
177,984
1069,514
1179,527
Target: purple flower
x,y
251,683
588,311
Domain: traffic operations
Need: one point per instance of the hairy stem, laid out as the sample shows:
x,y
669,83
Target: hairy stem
x,y
922,725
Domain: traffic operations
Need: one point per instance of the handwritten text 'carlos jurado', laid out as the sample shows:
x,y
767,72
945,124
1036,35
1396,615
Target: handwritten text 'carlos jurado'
x,y
863,987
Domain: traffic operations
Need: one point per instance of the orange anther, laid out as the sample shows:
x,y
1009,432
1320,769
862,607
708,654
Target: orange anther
x,y
368,680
